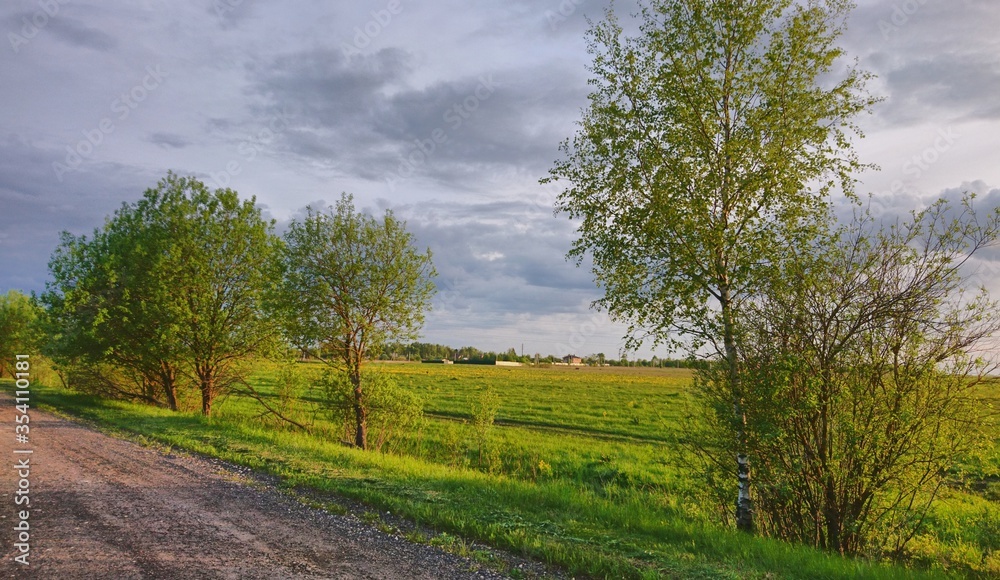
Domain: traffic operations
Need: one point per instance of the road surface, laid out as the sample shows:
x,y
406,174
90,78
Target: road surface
x,y
102,507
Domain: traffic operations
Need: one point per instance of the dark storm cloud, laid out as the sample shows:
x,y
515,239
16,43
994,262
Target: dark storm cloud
x,y
231,13
502,257
363,113
939,89
895,209
554,18
330,87
985,202
170,140
75,33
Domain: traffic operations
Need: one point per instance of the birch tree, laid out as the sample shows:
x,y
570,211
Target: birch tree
x,y
712,141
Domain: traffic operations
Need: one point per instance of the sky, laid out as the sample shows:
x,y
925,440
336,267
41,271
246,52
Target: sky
x,y
446,112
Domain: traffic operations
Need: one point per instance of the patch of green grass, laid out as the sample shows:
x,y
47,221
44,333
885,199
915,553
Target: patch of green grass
x,y
581,483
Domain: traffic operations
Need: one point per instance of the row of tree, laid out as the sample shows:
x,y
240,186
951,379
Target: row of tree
x,y
846,355
420,351
430,351
186,287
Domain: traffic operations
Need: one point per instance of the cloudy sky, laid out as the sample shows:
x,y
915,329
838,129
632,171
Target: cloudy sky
x,y
447,112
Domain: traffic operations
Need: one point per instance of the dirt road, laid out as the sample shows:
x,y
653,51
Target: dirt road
x,y
105,508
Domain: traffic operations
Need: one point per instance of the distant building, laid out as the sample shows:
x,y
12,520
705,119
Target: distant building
x,y
572,359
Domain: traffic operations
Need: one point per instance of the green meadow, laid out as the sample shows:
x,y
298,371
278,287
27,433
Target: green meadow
x,y
584,468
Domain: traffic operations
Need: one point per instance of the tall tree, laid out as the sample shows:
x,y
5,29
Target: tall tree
x,y
174,283
218,265
103,310
711,143
352,284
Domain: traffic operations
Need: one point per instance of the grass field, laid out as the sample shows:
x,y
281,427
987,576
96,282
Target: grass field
x,y
582,469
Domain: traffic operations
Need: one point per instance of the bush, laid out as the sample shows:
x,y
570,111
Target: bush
x,y
391,410
484,412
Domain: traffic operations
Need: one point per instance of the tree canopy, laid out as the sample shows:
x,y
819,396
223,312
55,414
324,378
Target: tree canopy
x,y
861,373
172,285
353,283
706,157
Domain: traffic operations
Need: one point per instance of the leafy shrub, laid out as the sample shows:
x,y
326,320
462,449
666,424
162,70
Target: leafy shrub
x,y
484,412
392,410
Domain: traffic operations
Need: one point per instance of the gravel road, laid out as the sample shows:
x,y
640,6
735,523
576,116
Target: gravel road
x,y
106,508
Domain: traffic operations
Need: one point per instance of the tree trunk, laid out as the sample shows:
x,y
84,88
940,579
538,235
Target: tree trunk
x,y
361,419
744,501
207,393
833,518
168,377
360,412
149,390
170,391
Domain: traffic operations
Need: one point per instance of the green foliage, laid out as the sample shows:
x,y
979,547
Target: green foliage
x,y
704,162
21,331
453,444
295,400
710,143
290,383
352,284
484,413
391,411
169,291
861,381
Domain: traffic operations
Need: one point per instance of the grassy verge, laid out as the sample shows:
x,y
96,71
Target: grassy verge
x,y
634,532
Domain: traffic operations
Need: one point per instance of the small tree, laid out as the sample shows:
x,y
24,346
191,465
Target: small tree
x,y
860,374
390,411
106,319
353,283
20,331
218,266
706,155
484,413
